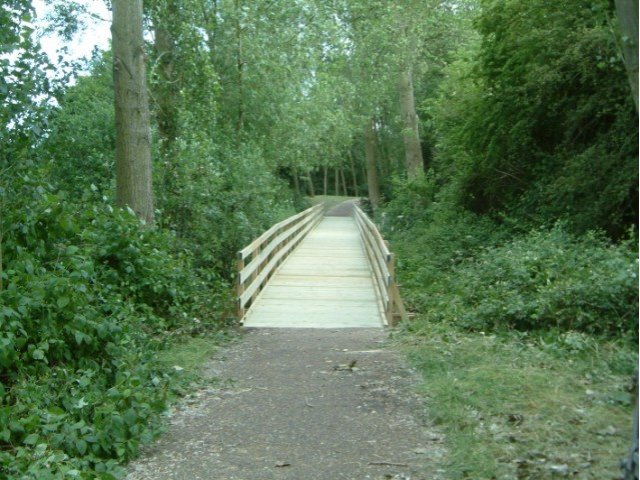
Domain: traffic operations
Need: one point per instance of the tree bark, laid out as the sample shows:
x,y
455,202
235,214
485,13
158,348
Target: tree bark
x,y
166,91
312,190
353,175
336,182
133,133
326,181
344,183
627,11
372,173
411,135
296,180
240,69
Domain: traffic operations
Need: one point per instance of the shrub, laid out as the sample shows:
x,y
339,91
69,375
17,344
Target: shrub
x,y
85,290
542,280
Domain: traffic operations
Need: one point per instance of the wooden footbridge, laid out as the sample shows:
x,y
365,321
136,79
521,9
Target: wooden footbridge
x,y
317,271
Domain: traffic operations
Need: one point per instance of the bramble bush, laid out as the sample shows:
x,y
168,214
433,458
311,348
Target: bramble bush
x,y
86,292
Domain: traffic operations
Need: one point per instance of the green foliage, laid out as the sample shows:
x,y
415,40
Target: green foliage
x,y
430,236
515,406
478,278
81,137
217,199
538,121
85,290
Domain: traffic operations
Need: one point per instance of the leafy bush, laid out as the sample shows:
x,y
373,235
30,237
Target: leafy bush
x,y
430,236
539,121
85,288
539,281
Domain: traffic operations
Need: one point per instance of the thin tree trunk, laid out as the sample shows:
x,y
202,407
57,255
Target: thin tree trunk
x,y
628,19
1,240
353,175
411,136
336,183
326,179
167,91
372,173
296,180
133,133
240,69
312,190
211,22
344,182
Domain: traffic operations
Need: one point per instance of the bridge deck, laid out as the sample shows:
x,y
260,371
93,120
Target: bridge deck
x,y
325,283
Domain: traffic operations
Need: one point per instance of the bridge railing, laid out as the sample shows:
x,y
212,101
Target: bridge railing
x,y
258,261
383,264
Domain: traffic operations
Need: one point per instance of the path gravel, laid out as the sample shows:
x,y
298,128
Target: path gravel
x,y
300,405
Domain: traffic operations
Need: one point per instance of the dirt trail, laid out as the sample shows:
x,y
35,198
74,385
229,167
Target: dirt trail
x,y
300,404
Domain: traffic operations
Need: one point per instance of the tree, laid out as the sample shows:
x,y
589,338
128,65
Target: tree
x,y
628,18
411,136
372,172
133,132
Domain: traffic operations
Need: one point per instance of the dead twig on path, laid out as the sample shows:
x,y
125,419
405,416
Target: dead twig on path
x,y
388,464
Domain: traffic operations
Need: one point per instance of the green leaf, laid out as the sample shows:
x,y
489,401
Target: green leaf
x,y
31,439
38,354
63,302
81,446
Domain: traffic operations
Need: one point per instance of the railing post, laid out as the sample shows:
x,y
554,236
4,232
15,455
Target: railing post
x,y
390,290
239,287
254,275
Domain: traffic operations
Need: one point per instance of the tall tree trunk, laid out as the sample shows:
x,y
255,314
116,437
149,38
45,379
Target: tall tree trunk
x,y
240,69
336,182
411,136
312,190
344,183
133,133
166,92
372,173
628,19
353,175
210,15
326,181
296,180
1,240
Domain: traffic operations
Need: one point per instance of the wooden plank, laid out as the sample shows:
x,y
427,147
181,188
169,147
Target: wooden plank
x,y
325,283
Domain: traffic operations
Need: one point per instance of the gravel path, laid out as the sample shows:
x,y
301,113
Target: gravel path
x,y
300,404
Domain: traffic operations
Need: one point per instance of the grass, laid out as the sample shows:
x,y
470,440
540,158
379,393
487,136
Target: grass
x,y
517,407
187,355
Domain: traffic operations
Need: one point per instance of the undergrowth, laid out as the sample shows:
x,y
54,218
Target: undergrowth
x,y
89,297
518,406
527,339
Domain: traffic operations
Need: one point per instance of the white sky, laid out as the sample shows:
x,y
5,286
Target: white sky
x,y
97,33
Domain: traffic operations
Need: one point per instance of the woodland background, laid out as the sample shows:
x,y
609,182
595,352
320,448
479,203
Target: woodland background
x,y
495,140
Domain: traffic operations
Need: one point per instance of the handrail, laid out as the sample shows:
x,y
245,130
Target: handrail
x,y
257,262
383,264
